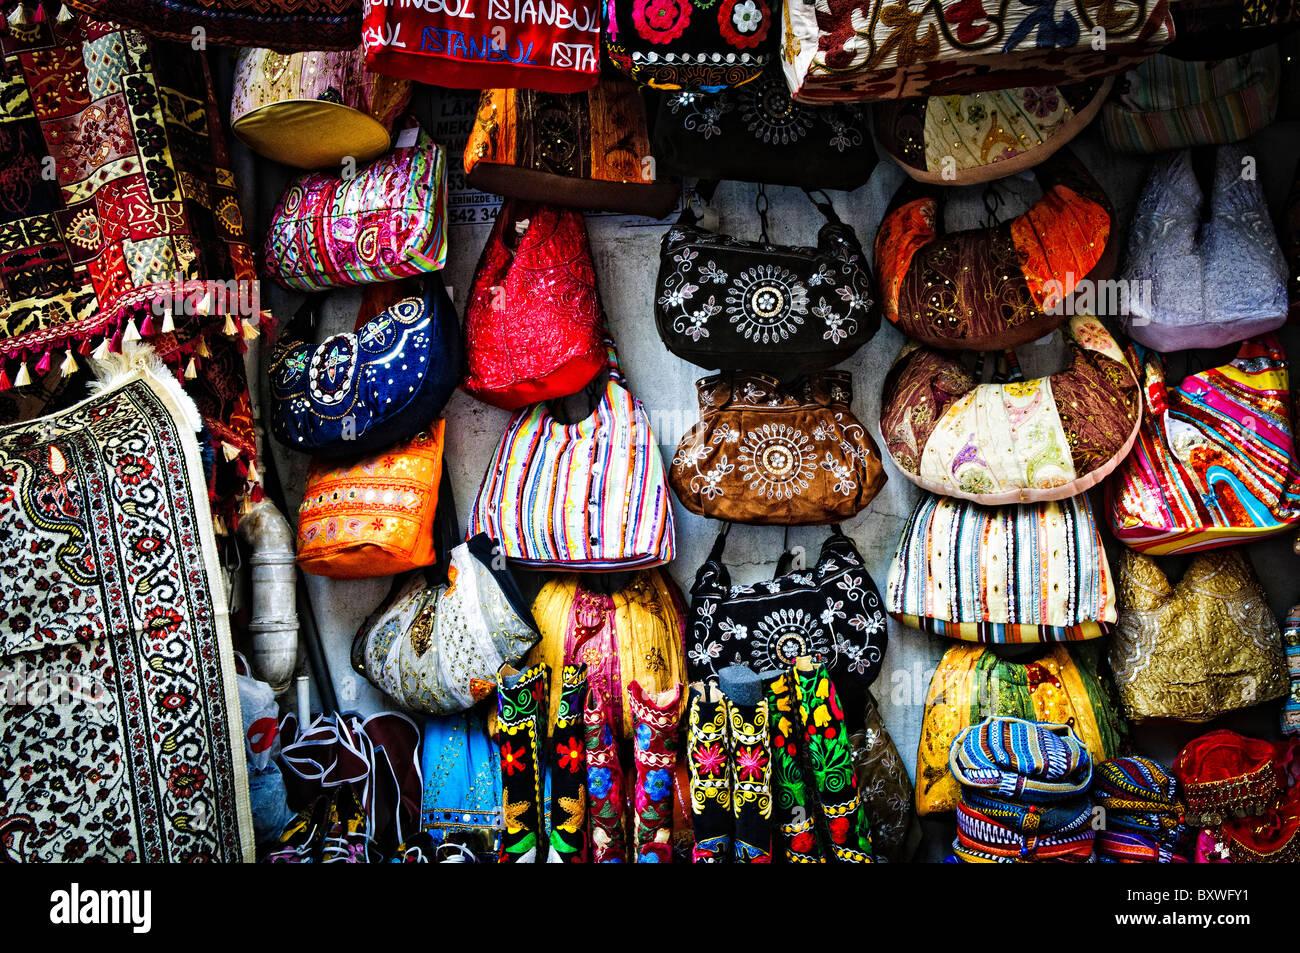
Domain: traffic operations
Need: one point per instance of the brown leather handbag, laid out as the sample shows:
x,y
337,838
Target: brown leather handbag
x,y
784,454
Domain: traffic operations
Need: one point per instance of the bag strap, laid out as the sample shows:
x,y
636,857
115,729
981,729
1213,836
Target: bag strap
x,y
823,205
719,544
703,191
446,526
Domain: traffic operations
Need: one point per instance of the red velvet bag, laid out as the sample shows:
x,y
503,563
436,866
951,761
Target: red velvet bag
x,y
534,327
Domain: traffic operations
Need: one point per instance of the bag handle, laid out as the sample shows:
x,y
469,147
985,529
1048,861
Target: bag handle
x,y
824,205
446,526
703,190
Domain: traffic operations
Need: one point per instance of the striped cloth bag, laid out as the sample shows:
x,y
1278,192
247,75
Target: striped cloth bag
x,y
587,495
1214,463
1033,572
388,221
1168,103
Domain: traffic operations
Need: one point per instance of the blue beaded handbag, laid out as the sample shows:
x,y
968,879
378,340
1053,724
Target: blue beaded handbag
x,y
364,390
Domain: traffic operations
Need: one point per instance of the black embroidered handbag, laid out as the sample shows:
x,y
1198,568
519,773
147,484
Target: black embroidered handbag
x,y
832,611
723,303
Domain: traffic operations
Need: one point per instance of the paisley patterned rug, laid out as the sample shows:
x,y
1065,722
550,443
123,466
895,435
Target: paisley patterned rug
x,y
120,735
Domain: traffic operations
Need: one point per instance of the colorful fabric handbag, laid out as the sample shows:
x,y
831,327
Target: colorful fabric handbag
x,y
757,133
1032,762
115,206
1035,572
1291,643
1185,264
1000,287
587,150
534,326
1022,442
677,44
282,25
1167,103
879,50
624,630
585,495
830,611
1061,687
961,140
885,788
726,303
367,389
1197,650
789,455
476,44
313,110
461,771
372,516
1214,463
386,222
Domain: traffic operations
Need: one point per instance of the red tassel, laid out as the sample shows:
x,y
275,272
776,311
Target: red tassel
x,y
4,378
43,365
40,13
146,326
84,347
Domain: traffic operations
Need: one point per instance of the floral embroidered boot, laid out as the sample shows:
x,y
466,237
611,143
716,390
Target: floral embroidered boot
x,y
521,707
749,761
793,815
707,714
569,771
605,786
654,749
830,757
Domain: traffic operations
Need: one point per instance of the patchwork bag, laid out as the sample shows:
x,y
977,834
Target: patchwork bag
x,y
1167,103
278,24
757,133
1199,649
766,453
994,288
725,303
680,44
1030,573
1291,643
386,222
961,140
1022,442
1061,687
624,628
830,611
313,110
1186,263
881,50
586,150
367,389
1214,463
373,516
584,495
476,44
534,326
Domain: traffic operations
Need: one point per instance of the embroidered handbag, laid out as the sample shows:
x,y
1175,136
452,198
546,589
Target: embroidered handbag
x,y
961,140
1214,463
384,223
587,150
1199,649
1167,103
313,110
280,24
757,133
534,326
1186,264
830,611
677,44
1001,287
584,495
1021,442
885,787
476,44
625,629
881,50
364,390
765,453
1036,572
461,769
372,516
1061,686
726,303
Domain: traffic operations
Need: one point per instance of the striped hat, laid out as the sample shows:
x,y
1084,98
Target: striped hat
x,y
1031,762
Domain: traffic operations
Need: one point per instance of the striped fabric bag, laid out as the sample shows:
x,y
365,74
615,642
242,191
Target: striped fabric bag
x,y
388,221
1033,572
587,495
1214,463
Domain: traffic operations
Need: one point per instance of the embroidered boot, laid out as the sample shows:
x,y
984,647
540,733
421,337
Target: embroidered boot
x,y
749,762
521,706
792,801
707,714
654,749
604,784
569,772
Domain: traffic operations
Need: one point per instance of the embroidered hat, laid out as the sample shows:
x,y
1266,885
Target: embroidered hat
x,y
1032,762
1226,775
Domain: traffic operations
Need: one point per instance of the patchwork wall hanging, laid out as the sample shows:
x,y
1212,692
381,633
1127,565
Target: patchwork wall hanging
x,y
285,25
